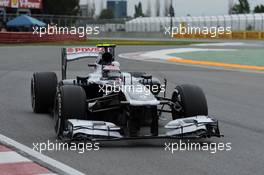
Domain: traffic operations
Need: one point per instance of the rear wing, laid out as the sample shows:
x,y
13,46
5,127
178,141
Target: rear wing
x,y
76,53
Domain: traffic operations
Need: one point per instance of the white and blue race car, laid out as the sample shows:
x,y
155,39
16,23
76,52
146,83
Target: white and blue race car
x,y
108,104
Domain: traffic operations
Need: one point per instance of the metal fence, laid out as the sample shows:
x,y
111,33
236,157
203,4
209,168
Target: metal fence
x,y
241,22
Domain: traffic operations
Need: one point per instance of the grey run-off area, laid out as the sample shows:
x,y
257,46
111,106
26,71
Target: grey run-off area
x,y
234,98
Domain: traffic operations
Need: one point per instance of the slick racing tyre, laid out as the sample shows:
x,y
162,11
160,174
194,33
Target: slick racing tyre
x,y
43,90
189,100
70,103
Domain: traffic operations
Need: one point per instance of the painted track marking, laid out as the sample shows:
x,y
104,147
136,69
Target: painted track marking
x,y
217,64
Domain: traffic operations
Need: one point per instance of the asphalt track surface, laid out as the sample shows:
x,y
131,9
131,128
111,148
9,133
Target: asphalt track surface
x,y
234,98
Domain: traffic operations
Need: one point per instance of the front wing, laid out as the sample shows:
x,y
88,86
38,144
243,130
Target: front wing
x,y
184,128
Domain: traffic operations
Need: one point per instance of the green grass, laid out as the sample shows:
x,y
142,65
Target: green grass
x,y
117,42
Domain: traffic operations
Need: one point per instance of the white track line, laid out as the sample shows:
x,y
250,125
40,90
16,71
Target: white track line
x,y
165,53
222,44
40,158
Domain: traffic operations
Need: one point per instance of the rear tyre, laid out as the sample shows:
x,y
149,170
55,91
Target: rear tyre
x,y
43,90
189,101
70,103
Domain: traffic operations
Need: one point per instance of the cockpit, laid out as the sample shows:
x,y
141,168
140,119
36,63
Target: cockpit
x,y
108,56
111,71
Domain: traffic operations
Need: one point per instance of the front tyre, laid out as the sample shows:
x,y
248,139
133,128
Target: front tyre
x,y
70,103
189,100
43,90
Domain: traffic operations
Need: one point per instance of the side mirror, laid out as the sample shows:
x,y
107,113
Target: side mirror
x,y
146,76
92,65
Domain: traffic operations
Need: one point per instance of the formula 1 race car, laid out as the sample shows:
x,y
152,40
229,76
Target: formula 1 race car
x,y
108,104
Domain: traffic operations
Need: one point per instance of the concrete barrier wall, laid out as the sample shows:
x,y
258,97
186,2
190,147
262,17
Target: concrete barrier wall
x,y
234,35
28,37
